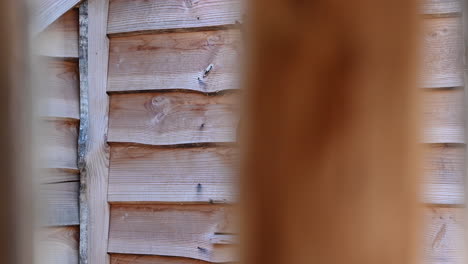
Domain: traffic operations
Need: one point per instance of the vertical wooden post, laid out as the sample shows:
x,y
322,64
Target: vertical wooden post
x,y
331,169
93,149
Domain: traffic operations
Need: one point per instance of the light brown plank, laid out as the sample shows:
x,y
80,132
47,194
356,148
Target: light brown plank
x,y
175,61
60,145
443,117
444,170
439,7
48,11
139,173
443,53
94,152
171,230
61,95
58,245
140,15
172,118
59,175
443,236
60,204
60,39
146,259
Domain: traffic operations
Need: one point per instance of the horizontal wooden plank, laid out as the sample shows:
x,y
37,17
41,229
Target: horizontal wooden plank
x,y
443,116
172,230
147,259
58,245
141,15
59,149
442,64
60,204
47,12
172,118
440,7
443,243
444,172
60,39
202,61
59,175
145,174
61,90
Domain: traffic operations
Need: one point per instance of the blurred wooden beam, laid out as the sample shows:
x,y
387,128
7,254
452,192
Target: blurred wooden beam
x,y
331,133
47,11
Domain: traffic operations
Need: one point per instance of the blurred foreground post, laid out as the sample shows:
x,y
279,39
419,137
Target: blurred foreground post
x,y
331,167
16,135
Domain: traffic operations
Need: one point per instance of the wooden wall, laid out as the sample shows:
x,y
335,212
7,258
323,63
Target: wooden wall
x,y
172,85
57,46
444,133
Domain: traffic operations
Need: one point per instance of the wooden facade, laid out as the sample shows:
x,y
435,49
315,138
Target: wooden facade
x,y
159,113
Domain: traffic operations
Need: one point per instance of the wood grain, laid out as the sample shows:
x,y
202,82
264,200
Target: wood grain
x,y
61,93
443,117
444,170
94,152
442,53
171,230
439,7
140,15
147,259
172,118
60,39
58,245
145,174
444,233
60,204
48,11
175,61
60,147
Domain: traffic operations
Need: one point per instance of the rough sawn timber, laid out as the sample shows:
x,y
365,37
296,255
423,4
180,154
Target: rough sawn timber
x,y
172,230
444,170
442,63
172,118
94,154
205,61
151,174
142,15
60,39
443,116
48,11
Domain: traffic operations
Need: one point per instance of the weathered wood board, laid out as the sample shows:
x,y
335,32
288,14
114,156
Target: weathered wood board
x,y
60,204
441,7
48,11
60,144
61,93
443,241
172,230
59,245
443,116
60,39
443,53
203,61
140,15
172,118
145,174
147,259
444,172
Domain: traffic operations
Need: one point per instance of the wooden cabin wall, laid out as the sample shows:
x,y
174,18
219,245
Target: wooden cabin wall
x,y
57,46
171,78
444,136
172,81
